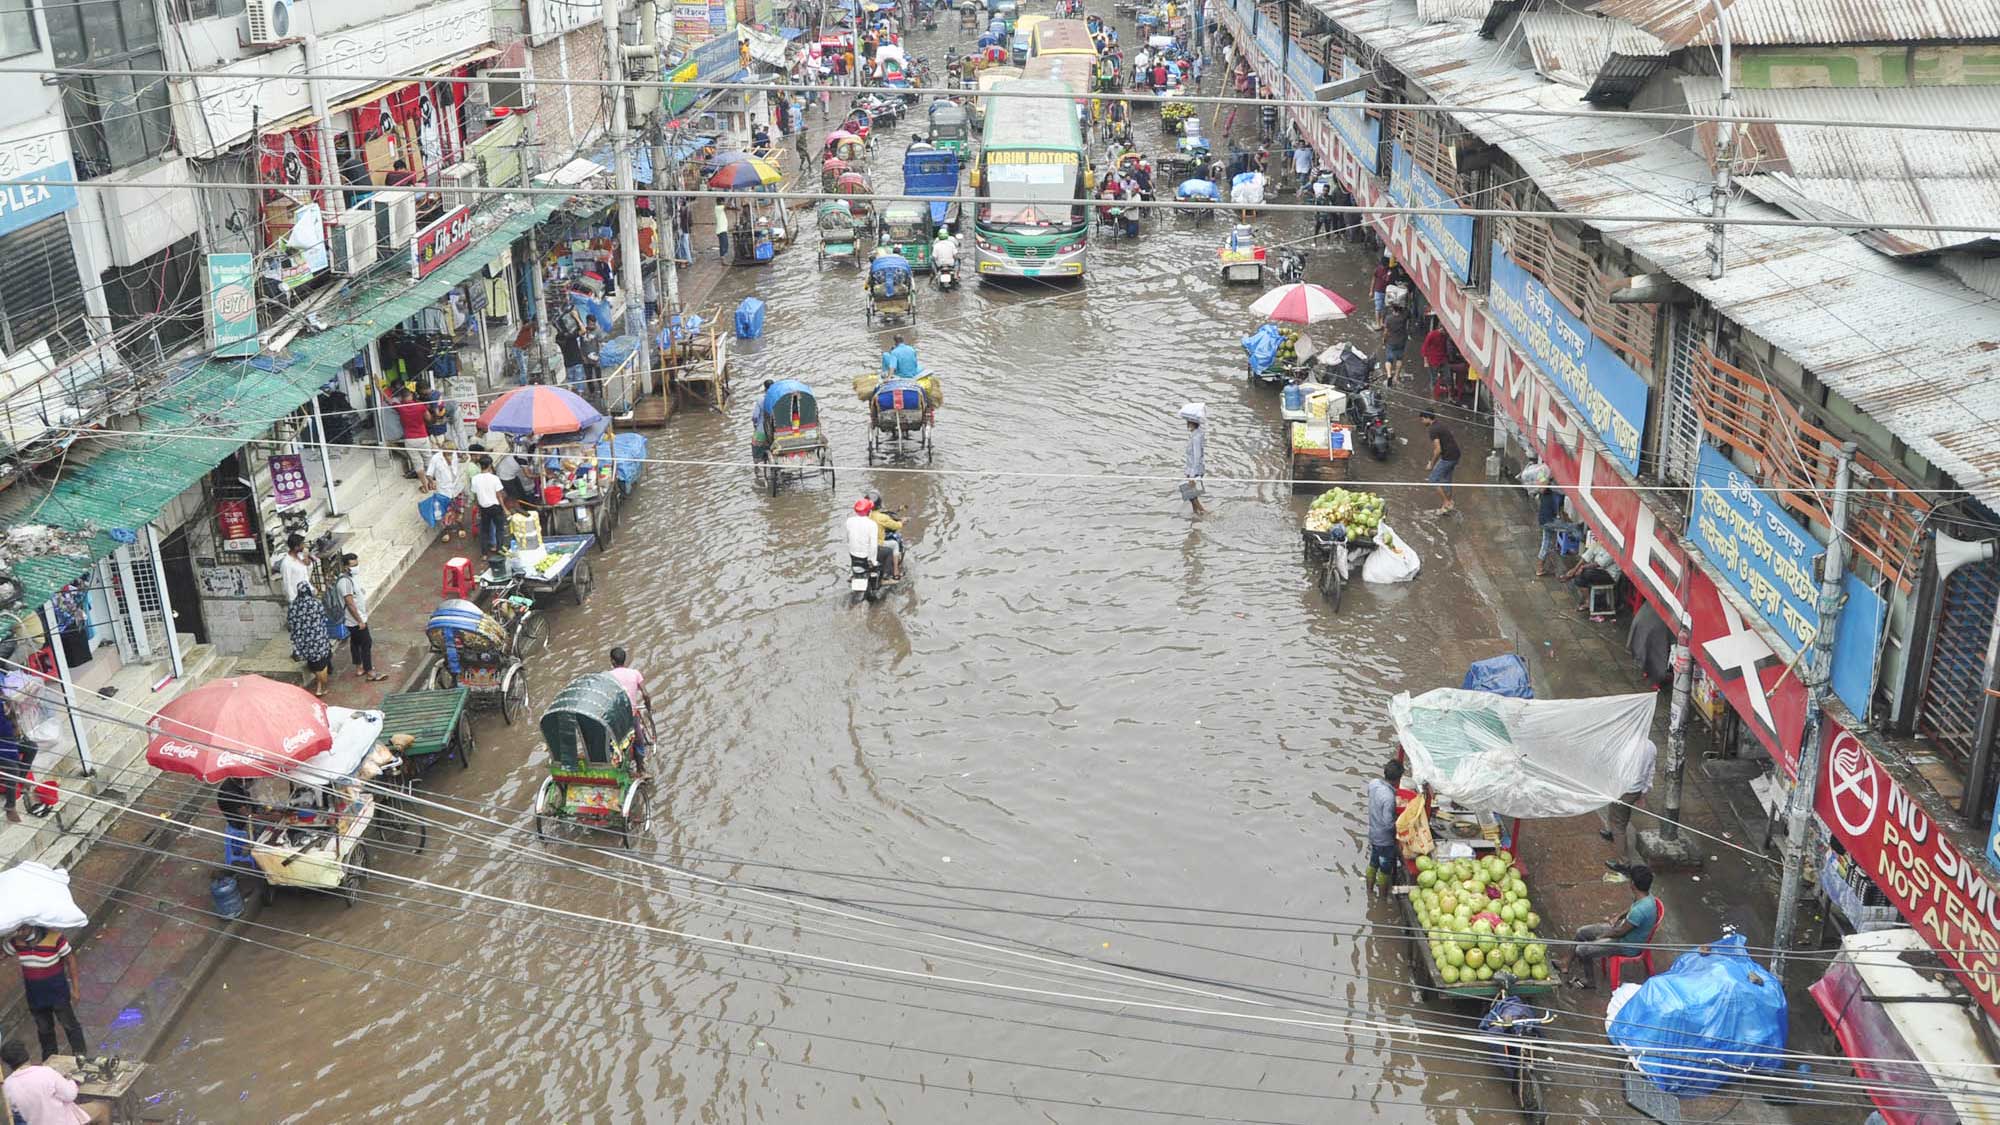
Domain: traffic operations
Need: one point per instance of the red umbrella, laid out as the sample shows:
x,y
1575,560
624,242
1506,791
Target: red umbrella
x,y
244,726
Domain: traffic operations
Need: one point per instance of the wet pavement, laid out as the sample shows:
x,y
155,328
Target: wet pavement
x,y
1147,728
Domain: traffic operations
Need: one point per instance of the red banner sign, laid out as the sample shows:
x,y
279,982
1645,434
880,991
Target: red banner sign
x,y
232,521
1759,684
1938,889
436,244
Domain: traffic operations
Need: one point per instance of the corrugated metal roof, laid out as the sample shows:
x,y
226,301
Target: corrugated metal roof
x,y
1755,23
1915,176
123,482
1572,48
1911,346
1432,11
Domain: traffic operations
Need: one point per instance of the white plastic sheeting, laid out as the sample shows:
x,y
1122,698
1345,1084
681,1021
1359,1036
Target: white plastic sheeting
x,y
33,894
354,734
1524,757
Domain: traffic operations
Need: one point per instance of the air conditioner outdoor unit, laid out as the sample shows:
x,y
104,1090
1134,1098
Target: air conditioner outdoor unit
x,y
396,221
354,241
270,22
463,174
508,91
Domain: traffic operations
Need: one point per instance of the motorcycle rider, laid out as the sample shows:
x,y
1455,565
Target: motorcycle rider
x,y
864,538
892,541
944,253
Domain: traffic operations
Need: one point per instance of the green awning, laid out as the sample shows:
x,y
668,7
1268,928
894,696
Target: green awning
x,y
110,482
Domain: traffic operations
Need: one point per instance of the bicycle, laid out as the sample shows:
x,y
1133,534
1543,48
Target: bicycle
x,y
1518,1049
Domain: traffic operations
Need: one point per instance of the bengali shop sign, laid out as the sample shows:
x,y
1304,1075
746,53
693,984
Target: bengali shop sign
x,y
1774,562
1610,395
1947,895
1362,133
1450,235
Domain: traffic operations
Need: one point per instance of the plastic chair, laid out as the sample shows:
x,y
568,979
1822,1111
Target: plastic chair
x,y
1614,967
1603,601
458,578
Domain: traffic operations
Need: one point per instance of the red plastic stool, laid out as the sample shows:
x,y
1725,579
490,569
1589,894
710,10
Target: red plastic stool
x,y
1615,967
458,578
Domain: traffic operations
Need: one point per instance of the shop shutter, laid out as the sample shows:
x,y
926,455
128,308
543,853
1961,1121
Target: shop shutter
x,y
1955,687
39,286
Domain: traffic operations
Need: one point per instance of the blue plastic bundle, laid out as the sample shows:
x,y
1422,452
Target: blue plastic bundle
x,y
750,319
1502,675
1261,347
1715,1014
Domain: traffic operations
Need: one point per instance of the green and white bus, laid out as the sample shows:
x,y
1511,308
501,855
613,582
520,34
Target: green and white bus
x,y
1032,162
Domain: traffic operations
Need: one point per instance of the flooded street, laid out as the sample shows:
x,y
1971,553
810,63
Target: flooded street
x,y
1086,722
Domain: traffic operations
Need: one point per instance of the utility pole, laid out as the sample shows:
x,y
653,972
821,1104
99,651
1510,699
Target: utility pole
x,y
631,279
1725,157
667,230
1667,847
1818,677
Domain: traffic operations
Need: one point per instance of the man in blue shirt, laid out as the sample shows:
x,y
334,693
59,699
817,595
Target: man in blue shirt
x,y
1621,935
900,362
1383,855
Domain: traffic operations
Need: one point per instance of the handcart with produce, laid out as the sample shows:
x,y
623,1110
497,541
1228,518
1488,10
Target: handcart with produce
x,y
1340,533
556,564
1478,764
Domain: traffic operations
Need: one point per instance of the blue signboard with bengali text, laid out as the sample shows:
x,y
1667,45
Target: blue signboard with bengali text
x,y
1450,235
1608,395
1362,133
1773,561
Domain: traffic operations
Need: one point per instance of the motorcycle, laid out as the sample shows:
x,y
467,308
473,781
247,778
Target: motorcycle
x,y
1516,1026
865,577
944,278
1291,266
1366,412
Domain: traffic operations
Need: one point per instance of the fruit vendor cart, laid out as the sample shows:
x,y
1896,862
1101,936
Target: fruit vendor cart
x,y
1340,533
1479,763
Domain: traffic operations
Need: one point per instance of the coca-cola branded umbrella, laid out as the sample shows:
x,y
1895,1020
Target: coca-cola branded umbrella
x,y
244,726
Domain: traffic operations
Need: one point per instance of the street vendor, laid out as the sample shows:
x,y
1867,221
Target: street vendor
x,y
1624,934
1383,856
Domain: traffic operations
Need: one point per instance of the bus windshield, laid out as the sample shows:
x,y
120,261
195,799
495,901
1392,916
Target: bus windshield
x,y
1047,190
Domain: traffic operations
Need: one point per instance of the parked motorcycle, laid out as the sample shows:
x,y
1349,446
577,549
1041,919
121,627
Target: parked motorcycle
x,y
1367,414
1517,1027
1290,266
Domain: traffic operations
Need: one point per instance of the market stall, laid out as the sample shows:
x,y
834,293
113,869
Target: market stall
x,y
1478,764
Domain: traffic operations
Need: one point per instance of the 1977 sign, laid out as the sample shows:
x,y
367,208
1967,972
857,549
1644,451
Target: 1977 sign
x,y
436,244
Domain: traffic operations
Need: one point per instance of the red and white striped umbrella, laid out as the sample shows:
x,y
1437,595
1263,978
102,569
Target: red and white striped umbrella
x,y
1300,303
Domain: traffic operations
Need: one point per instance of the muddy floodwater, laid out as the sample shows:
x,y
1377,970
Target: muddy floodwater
x,y
1086,723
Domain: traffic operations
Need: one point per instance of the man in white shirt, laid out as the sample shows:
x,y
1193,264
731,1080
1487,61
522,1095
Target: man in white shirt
x,y
447,484
296,568
864,535
944,252
490,498
1617,816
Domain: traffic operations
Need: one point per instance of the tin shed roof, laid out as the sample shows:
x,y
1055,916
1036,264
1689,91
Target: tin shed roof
x,y
1910,345
1572,48
1918,176
1771,23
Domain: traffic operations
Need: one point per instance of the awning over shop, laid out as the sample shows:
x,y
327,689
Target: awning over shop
x,y
123,483
604,162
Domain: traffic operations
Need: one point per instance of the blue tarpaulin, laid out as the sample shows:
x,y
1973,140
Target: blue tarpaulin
x,y
642,163
1714,1015
630,450
750,319
1502,675
1261,347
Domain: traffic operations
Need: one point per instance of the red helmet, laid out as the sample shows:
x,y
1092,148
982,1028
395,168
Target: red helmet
x,y
863,506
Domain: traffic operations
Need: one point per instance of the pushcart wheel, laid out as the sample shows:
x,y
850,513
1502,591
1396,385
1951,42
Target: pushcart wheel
x,y
580,588
355,875
462,745
868,315
513,694
871,449
1330,583
442,677
532,635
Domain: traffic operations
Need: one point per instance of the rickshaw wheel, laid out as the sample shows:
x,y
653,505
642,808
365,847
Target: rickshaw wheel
x,y
633,824
532,635
771,472
357,874
513,694
580,588
871,449
442,677
868,314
